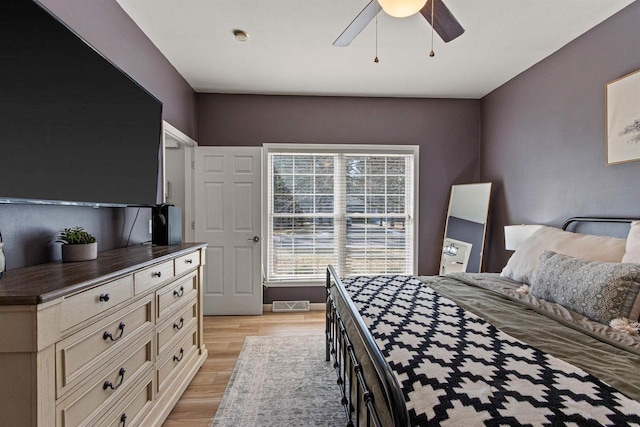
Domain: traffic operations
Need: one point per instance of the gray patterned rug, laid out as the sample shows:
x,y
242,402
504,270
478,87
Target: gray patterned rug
x,y
281,381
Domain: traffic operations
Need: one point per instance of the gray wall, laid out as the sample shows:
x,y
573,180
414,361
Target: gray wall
x,y
29,231
543,136
447,131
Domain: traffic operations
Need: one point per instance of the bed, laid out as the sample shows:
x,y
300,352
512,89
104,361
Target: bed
x,y
482,349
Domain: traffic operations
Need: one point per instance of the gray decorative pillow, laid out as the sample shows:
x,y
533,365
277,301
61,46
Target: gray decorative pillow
x,y
601,291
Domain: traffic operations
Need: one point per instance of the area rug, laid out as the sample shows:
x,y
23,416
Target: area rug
x,y
281,381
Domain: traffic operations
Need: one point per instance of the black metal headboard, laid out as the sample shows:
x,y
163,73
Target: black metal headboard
x,y
611,230
595,219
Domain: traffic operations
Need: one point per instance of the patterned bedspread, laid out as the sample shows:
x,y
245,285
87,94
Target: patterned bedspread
x,y
458,370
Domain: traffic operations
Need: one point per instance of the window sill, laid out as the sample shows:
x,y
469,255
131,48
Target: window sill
x,y
295,283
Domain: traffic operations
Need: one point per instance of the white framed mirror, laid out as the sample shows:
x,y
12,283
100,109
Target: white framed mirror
x,y
465,228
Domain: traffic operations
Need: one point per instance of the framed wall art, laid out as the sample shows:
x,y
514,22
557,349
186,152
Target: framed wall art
x,y
623,119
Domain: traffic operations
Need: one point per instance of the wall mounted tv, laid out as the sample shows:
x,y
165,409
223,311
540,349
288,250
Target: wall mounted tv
x,y
74,127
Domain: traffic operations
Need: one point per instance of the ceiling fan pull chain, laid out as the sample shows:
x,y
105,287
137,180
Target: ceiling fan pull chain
x,y
433,24
376,60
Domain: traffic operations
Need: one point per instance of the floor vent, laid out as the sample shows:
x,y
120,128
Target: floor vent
x,y
279,306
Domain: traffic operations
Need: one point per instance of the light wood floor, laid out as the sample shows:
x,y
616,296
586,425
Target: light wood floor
x,y
224,336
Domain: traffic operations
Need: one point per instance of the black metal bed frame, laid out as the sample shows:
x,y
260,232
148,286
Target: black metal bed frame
x,y
570,221
371,395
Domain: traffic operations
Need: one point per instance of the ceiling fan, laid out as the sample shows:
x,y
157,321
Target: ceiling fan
x,y
444,23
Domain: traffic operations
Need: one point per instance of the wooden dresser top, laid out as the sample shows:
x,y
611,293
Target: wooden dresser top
x,y
45,282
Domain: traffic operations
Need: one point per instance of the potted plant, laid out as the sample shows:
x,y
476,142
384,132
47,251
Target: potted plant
x,y
77,245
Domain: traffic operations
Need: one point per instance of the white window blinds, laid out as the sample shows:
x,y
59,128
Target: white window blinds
x,y
353,210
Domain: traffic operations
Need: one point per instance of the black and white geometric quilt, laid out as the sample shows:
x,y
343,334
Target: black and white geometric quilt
x,y
458,370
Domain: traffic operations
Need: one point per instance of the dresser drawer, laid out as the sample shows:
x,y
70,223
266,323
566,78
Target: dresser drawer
x,y
132,408
103,391
173,362
187,262
175,294
84,352
84,305
153,276
169,331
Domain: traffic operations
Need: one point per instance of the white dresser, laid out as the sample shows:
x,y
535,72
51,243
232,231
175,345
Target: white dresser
x,y
111,342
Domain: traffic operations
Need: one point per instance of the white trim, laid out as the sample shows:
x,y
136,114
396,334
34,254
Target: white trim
x,y
189,179
302,283
416,204
347,148
169,129
265,214
314,306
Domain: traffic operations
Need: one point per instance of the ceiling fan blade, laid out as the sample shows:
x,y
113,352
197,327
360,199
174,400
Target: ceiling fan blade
x,y
358,24
446,25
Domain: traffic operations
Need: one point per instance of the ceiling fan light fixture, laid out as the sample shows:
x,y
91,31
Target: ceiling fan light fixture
x,y
401,8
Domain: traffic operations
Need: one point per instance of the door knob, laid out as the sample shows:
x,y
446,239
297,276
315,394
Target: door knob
x,y
256,239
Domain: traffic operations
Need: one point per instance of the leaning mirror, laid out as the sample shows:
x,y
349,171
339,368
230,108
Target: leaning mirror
x,y
465,228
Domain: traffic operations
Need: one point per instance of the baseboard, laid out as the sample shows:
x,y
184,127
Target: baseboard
x,y
314,306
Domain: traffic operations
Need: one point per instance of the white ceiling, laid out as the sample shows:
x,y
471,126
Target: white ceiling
x,y
290,46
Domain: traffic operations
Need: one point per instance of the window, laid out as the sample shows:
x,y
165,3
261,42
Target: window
x,y
350,207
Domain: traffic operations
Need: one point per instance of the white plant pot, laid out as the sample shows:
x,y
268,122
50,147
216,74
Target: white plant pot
x,y
73,253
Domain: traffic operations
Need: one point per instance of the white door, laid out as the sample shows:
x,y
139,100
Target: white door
x,y
228,217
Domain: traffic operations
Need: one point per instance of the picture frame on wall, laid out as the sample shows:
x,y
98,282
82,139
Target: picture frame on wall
x,y
623,119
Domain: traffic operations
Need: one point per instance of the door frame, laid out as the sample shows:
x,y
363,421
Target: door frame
x,y
173,134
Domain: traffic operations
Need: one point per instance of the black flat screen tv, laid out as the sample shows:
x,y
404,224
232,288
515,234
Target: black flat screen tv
x,y
74,127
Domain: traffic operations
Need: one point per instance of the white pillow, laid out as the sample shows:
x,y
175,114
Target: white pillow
x,y
585,246
633,244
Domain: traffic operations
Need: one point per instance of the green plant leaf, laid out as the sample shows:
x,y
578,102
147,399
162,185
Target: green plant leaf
x,y
75,236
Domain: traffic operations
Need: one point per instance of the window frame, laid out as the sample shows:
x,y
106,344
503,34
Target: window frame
x,y
369,149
